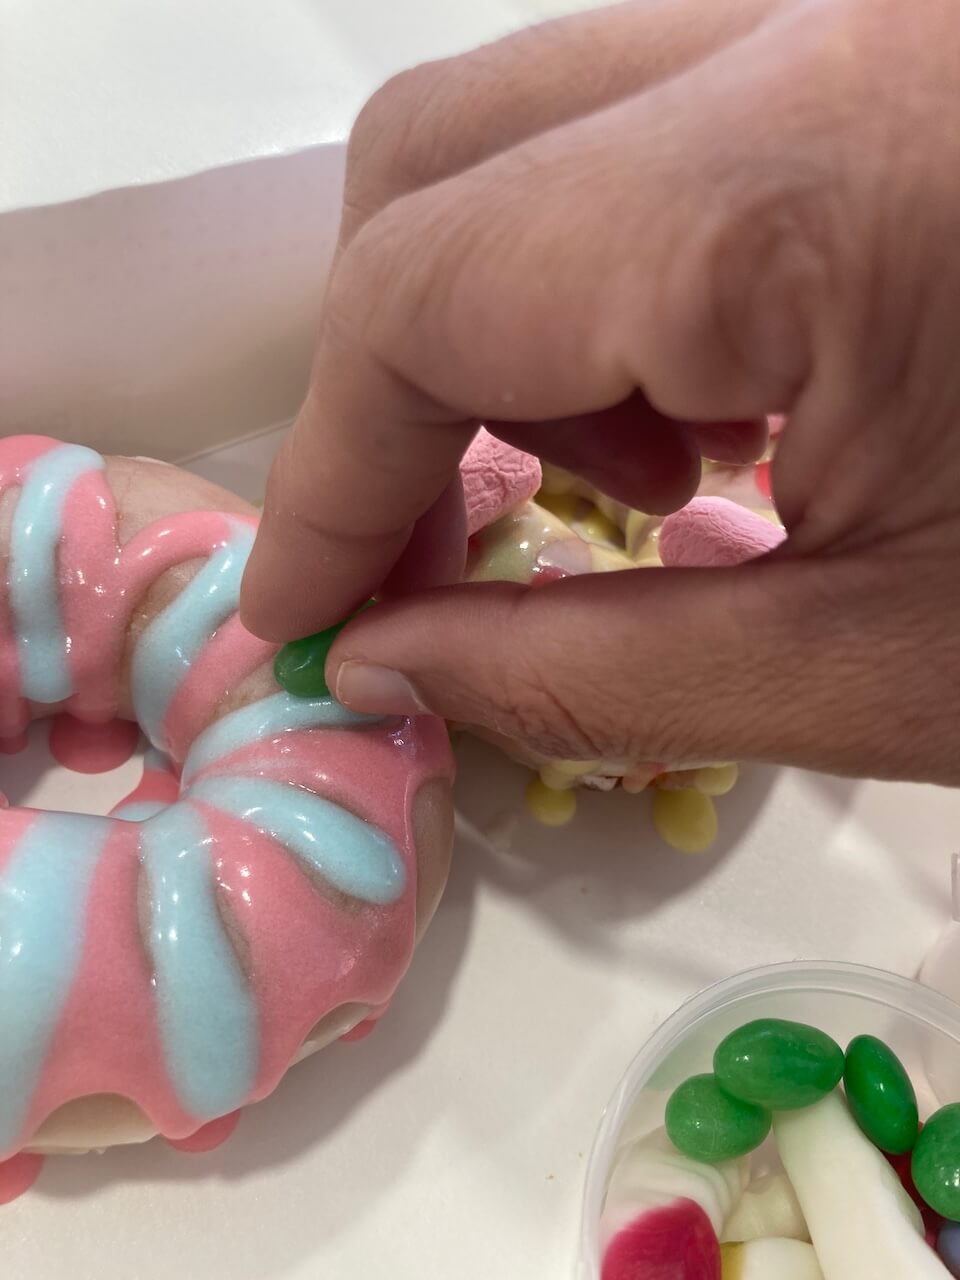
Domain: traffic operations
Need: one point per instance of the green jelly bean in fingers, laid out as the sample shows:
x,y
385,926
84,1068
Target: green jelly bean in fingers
x,y
299,666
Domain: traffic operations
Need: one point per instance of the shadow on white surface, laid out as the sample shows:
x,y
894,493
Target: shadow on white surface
x,y
619,869
923,846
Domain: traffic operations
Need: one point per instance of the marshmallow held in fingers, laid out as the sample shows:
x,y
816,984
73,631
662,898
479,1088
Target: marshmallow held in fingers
x,y
714,532
496,478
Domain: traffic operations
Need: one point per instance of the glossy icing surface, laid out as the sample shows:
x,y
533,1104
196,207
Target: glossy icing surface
x,y
180,951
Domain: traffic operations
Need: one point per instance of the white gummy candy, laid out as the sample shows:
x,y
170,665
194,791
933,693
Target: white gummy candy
x,y
862,1223
768,1207
771,1259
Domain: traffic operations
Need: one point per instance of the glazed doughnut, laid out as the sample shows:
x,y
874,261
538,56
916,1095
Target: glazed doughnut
x,y
164,966
570,528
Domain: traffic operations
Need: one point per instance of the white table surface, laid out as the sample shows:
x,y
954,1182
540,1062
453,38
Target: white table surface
x,y
452,1142
104,93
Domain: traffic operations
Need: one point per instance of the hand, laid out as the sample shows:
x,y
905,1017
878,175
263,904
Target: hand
x,y
632,233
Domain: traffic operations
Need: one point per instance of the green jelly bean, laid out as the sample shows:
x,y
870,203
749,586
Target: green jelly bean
x,y
779,1065
880,1095
936,1162
706,1124
298,667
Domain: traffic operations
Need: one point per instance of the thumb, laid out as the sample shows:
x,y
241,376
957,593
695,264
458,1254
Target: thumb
x,y
791,661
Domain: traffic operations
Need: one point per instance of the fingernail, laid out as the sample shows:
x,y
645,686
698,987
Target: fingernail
x,y
363,686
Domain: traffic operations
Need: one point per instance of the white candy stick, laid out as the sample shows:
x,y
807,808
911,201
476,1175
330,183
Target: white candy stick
x,y
652,1173
768,1207
771,1259
862,1223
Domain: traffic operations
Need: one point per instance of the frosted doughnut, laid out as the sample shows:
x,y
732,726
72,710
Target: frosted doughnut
x,y
164,966
573,529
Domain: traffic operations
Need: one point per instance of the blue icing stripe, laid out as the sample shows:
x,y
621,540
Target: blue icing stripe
x,y
208,1019
277,714
354,856
174,640
34,570
43,898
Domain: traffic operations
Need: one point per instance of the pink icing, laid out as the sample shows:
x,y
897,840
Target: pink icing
x,y
208,1136
230,655
104,583
18,1174
92,748
107,1039
496,478
712,532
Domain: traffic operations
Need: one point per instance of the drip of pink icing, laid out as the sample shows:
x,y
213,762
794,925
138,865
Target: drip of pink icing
x,y
92,748
208,1136
18,1174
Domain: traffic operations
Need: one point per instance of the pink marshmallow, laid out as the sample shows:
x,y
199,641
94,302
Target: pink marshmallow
x,y
713,532
496,478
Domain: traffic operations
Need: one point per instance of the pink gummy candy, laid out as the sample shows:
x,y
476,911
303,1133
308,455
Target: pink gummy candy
x,y
713,532
496,478
676,1242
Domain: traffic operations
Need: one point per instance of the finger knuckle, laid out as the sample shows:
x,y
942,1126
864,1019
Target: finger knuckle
x,y
388,152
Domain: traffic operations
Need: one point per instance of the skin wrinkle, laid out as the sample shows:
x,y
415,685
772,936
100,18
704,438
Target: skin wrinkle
x,y
461,134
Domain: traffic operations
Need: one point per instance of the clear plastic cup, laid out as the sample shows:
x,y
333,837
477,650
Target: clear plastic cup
x,y
920,1025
